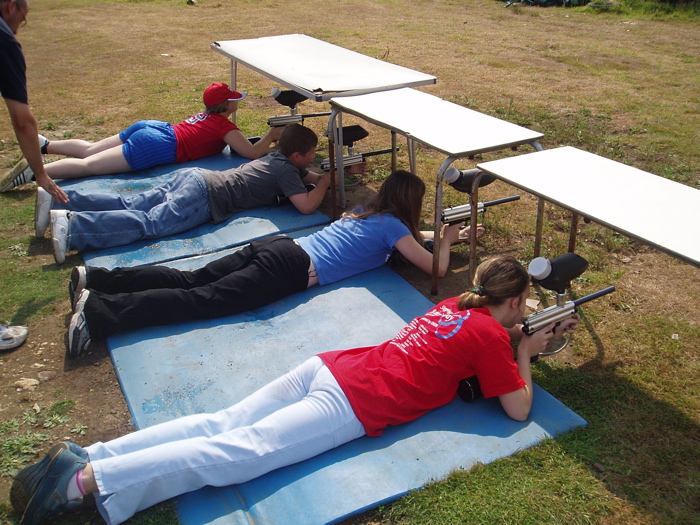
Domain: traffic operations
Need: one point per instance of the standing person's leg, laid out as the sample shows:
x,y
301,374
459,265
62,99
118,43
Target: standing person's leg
x,y
279,267
184,205
318,422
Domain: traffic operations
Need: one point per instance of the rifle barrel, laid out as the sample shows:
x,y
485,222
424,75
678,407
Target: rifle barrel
x,y
501,201
594,295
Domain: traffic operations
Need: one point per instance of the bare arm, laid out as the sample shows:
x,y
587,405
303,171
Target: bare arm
x,y
307,203
241,145
518,404
422,258
27,133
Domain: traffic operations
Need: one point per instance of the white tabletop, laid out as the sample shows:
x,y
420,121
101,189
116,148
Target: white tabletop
x,y
644,206
316,68
450,128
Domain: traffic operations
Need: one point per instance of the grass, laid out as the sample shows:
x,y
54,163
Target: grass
x,y
620,81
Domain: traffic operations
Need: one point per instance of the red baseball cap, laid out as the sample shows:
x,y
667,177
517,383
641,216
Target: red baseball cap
x,y
219,92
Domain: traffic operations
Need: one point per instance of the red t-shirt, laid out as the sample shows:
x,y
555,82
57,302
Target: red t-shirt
x,y
420,369
201,135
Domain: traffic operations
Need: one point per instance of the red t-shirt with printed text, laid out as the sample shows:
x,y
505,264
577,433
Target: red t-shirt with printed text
x,y
420,369
201,135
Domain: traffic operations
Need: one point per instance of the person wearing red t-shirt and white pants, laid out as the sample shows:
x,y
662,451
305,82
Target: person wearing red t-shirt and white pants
x,y
330,399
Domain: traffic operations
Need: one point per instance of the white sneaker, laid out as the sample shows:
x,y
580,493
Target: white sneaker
x,y
42,209
60,226
17,176
12,336
43,141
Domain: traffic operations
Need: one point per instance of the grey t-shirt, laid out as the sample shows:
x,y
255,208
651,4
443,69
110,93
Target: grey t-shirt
x,y
254,184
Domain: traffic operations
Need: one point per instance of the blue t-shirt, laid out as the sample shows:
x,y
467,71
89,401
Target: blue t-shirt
x,y
13,82
350,246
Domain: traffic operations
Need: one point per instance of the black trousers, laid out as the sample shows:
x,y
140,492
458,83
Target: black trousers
x,y
259,274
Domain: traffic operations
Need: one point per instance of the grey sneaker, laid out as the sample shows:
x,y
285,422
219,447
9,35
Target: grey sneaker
x,y
17,176
78,333
50,496
12,336
60,226
78,282
27,481
42,211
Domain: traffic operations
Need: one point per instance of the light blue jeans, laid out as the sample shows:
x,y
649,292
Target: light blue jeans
x,y
296,417
101,220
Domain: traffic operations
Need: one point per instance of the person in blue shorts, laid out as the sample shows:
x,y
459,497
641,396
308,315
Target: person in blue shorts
x,y
109,301
149,143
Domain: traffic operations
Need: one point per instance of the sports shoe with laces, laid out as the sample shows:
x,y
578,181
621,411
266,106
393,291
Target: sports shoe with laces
x,y
59,233
78,333
42,211
27,481
17,176
50,496
12,336
78,282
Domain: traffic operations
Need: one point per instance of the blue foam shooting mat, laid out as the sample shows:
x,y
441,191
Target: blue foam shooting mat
x,y
167,372
207,238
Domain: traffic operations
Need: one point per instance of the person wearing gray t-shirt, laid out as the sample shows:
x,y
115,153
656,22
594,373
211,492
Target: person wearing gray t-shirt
x,y
193,196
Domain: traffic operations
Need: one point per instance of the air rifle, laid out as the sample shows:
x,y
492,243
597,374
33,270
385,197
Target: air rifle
x,y
355,158
458,214
556,275
290,99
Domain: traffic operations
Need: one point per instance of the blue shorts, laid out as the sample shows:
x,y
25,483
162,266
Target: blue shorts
x,y
148,143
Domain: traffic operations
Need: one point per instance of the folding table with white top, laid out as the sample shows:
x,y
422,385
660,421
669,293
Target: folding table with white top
x,y
422,118
658,211
318,70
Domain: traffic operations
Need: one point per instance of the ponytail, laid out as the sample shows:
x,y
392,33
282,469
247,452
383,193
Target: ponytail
x,y
495,281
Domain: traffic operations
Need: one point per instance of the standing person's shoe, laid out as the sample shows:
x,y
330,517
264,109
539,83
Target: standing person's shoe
x,y
78,282
17,176
60,220
50,495
27,481
12,336
42,211
78,333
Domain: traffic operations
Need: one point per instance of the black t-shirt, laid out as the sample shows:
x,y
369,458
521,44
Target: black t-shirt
x,y
13,79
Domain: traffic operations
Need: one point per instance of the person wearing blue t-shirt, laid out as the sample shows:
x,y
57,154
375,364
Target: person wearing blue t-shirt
x,y
110,301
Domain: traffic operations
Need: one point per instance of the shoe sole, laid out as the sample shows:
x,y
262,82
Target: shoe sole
x,y
78,325
76,286
59,252
27,481
41,210
10,176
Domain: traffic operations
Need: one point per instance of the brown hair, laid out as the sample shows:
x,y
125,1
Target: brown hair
x,y
401,195
218,108
495,281
296,138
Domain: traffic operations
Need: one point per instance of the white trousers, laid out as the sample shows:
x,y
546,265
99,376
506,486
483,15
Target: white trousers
x,y
296,417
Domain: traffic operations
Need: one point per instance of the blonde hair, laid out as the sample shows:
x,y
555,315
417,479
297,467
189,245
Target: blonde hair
x,y
495,280
401,195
